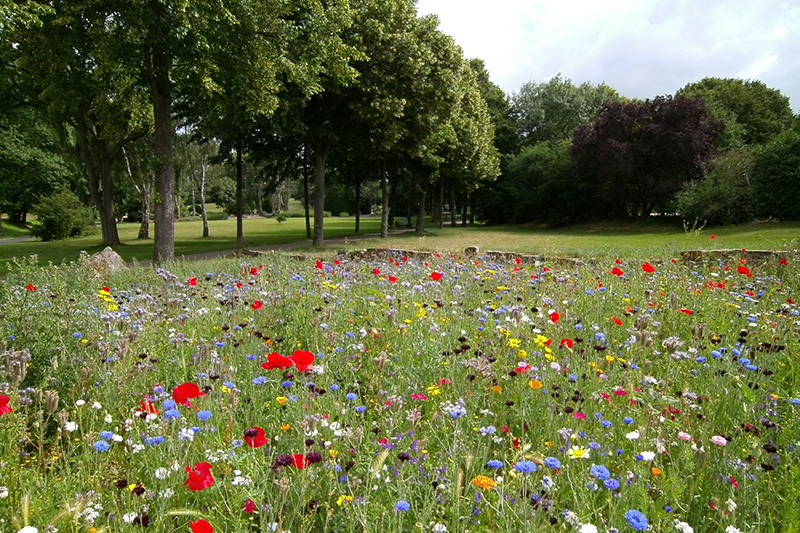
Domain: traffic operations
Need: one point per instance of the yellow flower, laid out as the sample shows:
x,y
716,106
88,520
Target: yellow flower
x,y
332,452
497,388
284,427
514,343
522,354
483,482
541,341
655,471
535,384
281,400
344,499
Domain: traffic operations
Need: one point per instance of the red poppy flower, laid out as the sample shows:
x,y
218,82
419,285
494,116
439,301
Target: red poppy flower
x,y
4,408
302,360
554,317
182,393
253,271
299,460
249,506
518,260
106,289
254,437
147,407
276,360
713,236
617,261
376,271
685,311
192,281
435,276
201,526
647,267
258,304
199,477
319,264
616,320
567,342
616,271
30,287
392,279
783,262
744,270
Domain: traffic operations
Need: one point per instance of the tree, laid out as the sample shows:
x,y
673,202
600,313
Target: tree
x,y
776,178
551,111
752,112
506,139
634,158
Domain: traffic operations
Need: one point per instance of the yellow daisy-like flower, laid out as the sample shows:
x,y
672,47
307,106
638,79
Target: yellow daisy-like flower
x,y
344,499
541,341
535,384
483,482
514,343
282,400
522,354
578,452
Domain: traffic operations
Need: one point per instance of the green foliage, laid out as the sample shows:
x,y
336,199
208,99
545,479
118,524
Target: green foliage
x,y
60,216
723,195
551,111
752,112
776,178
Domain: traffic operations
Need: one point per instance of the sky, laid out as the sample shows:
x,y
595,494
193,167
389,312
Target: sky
x,y
641,48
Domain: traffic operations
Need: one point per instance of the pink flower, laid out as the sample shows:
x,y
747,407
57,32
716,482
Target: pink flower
x,y
719,440
684,436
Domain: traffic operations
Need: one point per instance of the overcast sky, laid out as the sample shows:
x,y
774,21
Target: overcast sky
x,y
641,48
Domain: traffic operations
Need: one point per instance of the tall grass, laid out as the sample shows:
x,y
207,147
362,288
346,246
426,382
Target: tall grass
x,y
445,394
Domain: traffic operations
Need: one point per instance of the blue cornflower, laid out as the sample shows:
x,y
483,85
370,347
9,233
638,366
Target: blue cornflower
x,y
606,423
77,334
172,414
572,377
628,420
526,467
168,404
220,344
552,462
611,484
495,463
106,434
229,384
700,359
101,446
360,409
594,445
286,384
204,415
402,505
334,387
152,441
794,401
158,389
636,519
237,443
260,380
600,472
351,396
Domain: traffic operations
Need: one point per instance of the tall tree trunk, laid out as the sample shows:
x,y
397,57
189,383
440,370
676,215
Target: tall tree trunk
x,y
239,187
421,206
440,203
108,220
358,203
464,209
144,227
194,203
285,193
158,63
453,203
384,200
472,209
320,158
305,194
203,213
259,205
392,201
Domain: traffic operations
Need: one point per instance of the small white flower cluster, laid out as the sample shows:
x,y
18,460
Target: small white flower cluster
x,y
90,513
240,480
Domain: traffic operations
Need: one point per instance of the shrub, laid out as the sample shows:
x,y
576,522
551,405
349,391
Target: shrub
x,y
776,178
61,216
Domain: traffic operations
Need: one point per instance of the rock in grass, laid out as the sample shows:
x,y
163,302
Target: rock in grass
x,y
106,262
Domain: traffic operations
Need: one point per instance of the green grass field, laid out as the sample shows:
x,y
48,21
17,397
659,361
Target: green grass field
x,y
623,240
11,231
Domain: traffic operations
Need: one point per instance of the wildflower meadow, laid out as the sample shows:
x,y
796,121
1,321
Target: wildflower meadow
x,y
437,393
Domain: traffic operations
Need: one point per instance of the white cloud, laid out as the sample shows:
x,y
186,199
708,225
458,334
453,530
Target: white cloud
x,y
642,48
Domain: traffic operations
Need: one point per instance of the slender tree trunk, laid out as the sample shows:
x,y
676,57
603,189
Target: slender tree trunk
x,y
358,203
144,227
259,205
239,193
158,64
88,161
472,209
108,220
453,203
421,206
464,209
203,213
194,203
285,195
320,158
384,200
392,201
305,194
440,203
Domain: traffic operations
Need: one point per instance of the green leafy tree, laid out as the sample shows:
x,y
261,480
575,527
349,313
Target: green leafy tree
x,y
776,178
752,112
551,111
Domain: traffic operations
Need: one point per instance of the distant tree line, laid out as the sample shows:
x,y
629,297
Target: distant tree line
x,y
148,110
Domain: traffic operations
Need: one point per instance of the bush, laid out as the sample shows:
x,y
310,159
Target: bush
x,y
776,178
61,216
